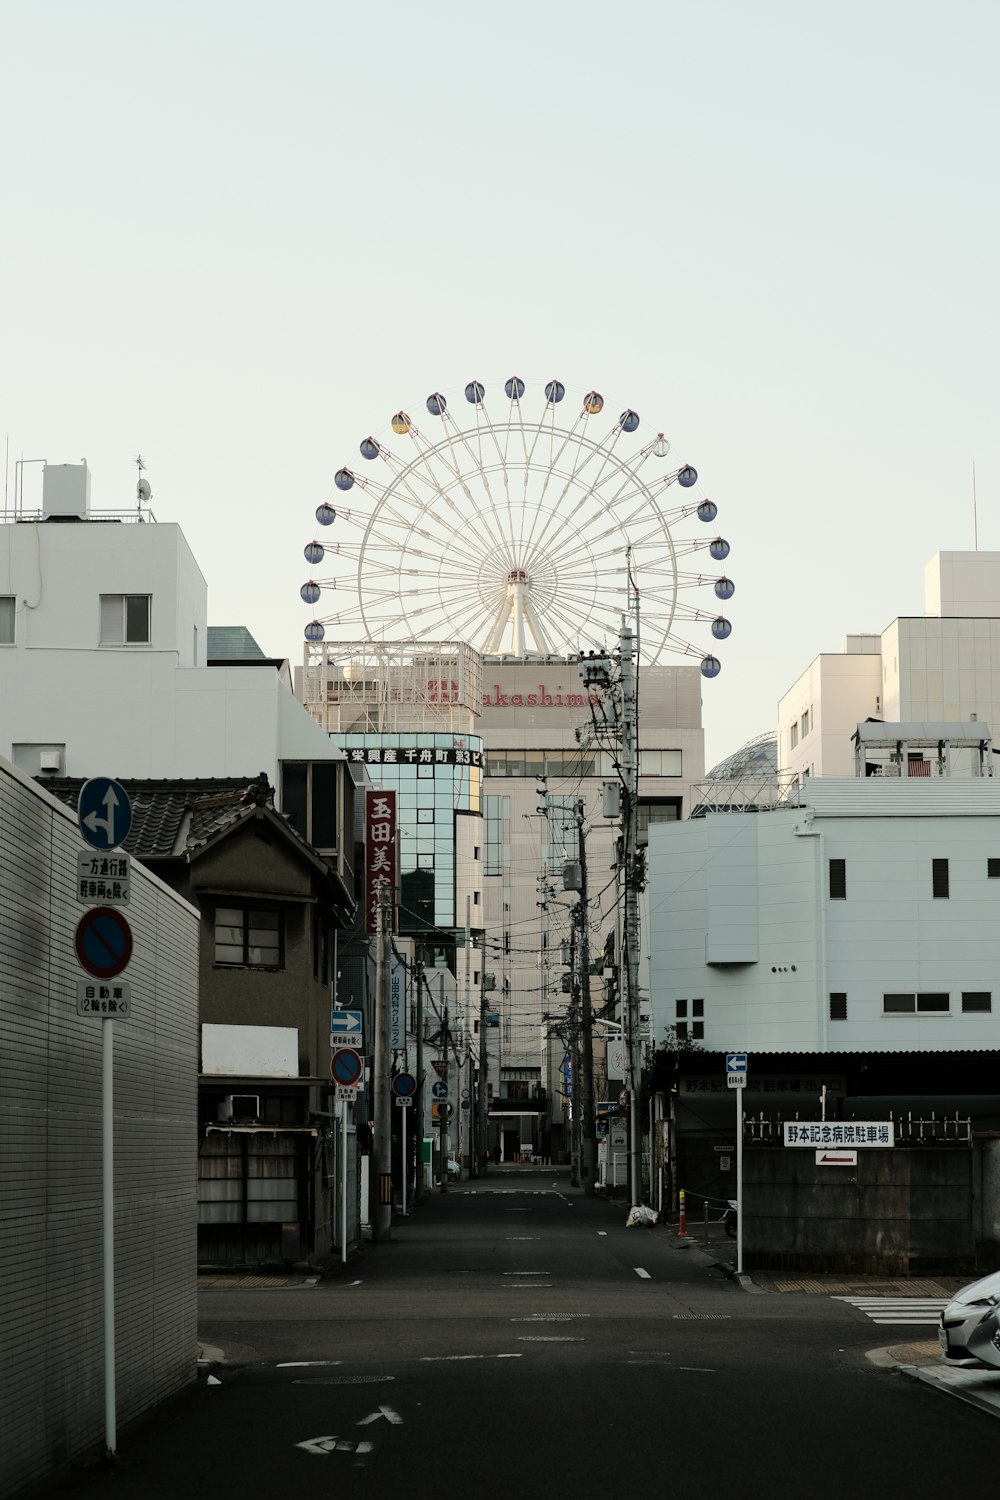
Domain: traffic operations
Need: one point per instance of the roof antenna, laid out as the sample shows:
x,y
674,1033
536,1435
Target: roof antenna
x,y
975,513
142,490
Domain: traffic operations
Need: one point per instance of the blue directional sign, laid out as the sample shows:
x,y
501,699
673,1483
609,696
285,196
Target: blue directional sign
x,y
439,1090
346,1028
736,1069
104,813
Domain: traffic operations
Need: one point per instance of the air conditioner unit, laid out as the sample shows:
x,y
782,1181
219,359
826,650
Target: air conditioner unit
x,y
50,760
240,1107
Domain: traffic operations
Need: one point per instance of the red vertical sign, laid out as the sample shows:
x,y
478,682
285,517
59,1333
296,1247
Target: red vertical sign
x,y
380,853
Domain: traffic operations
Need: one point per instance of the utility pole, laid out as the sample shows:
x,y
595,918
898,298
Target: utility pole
x,y
443,1104
381,1186
418,1128
630,821
588,1128
481,1099
574,1054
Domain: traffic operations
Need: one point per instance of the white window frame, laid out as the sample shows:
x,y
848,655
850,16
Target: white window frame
x,y
115,624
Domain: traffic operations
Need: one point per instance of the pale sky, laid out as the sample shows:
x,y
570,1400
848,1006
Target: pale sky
x,y
237,236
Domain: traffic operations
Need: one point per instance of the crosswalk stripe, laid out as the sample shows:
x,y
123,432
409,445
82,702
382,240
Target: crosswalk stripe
x,y
911,1311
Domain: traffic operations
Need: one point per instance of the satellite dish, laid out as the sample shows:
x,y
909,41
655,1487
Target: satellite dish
x,y
143,490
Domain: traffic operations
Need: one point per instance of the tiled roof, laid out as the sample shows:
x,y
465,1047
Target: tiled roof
x,y
170,818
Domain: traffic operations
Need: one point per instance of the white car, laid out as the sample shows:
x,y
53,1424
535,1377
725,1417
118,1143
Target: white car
x,y
970,1324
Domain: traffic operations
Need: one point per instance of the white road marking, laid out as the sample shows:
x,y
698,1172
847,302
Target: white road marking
x,y
438,1359
326,1445
391,1417
915,1311
522,1236
527,1286
639,1271
307,1364
542,1338
550,1317
602,1234
526,1273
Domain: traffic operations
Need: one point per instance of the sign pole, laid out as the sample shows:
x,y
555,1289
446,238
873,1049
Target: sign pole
x,y
406,1164
343,1181
739,1182
108,1231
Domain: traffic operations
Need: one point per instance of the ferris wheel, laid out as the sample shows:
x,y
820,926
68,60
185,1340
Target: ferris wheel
x,y
518,522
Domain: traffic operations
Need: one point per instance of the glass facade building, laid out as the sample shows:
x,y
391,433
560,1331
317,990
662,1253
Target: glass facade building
x,y
437,779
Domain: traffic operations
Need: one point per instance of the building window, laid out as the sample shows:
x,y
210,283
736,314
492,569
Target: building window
x,y
939,876
795,735
682,1009
838,1005
697,1031
697,1007
922,1005
309,791
125,619
681,1031
475,898
838,880
248,937
993,869
663,810
976,1002
805,723
6,619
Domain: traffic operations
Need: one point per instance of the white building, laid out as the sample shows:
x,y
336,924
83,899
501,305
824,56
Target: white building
x,y
863,920
103,653
943,666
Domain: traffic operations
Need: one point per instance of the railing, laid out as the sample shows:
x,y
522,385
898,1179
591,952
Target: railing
x,y
8,517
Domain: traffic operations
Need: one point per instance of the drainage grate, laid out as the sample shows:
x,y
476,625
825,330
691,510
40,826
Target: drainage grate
x,y
701,1317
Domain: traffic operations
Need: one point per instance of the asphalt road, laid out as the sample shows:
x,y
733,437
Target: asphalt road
x,y
515,1338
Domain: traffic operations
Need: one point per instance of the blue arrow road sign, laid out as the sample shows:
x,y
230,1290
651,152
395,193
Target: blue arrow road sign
x,y
440,1090
736,1062
104,813
346,1028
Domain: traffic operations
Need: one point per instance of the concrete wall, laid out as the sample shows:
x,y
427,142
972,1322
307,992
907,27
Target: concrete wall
x,y
901,1212
51,1351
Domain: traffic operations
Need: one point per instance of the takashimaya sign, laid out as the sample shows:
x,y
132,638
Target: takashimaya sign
x,y
541,697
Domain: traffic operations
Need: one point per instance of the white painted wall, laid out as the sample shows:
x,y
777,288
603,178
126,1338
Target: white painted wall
x,y
761,879
837,693
134,711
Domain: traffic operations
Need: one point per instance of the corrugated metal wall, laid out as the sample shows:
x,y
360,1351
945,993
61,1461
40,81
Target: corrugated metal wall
x,y
51,1350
